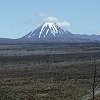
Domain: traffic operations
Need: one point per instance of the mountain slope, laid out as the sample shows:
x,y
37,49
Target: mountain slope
x,y
48,31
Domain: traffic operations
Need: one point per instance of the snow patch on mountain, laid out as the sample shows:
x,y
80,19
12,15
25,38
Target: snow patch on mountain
x,y
51,27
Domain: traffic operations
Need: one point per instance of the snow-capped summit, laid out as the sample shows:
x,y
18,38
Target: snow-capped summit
x,y
52,27
48,30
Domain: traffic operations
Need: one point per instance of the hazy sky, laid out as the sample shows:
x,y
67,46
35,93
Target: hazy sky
x,y
18,17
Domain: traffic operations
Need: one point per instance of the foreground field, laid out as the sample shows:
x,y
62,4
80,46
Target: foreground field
x,y
51,74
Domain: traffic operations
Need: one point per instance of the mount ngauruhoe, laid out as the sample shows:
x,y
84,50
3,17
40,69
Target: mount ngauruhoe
x,y
51,32
48,31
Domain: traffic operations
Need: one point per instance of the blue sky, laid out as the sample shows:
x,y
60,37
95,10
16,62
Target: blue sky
x,y
18,17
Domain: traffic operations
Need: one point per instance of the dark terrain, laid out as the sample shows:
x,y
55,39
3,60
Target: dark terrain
x,y
48,71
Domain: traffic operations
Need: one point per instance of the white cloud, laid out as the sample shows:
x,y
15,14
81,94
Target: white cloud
x,y
43,14
99,32
50,19
63,24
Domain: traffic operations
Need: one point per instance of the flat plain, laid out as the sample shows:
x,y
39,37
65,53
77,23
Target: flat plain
x,y
48,71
